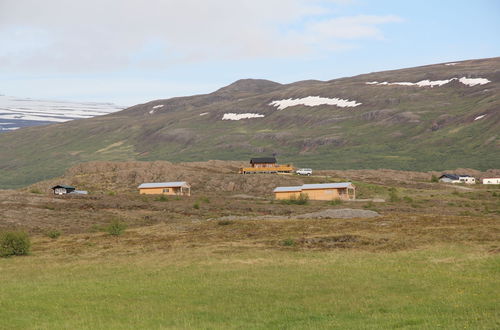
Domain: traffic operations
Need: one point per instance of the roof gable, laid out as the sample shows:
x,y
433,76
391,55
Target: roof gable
x,y
327,185
263,160
450,176
288,189
63,186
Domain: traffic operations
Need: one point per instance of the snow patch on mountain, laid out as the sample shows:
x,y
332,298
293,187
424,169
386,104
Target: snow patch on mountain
x,y
473,81
154,108
432,83
312,101
239,116
479,117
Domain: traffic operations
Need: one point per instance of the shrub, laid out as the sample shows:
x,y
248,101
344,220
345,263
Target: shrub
x,y
204,200
116,228
288,242
111,193
225,222
408,199
335,202
161,198
301,200
370,206
54,233
393,195
14,243
35,191
434,178
196,205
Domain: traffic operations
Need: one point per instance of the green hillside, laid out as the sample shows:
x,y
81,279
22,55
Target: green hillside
x,y
395,126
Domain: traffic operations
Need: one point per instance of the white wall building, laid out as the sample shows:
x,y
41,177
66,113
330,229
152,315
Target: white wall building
x,y
457,178
491,181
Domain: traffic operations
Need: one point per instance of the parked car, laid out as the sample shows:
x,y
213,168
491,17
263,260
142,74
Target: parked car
x,y
304,171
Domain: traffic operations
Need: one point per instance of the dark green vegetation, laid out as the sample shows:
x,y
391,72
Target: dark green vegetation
x,y
116,227
398,127
303,199
14,243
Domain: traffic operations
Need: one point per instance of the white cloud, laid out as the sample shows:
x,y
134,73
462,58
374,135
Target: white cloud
x,y
96,35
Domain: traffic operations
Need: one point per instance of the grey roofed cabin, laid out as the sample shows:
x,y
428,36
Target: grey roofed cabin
x,y
62,189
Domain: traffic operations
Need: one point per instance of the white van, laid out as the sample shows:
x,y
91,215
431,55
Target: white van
x,y
304,171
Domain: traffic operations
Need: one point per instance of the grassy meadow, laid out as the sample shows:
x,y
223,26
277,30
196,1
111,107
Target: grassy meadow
x,y
447,287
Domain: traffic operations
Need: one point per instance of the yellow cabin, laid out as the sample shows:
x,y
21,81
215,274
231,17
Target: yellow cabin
x,y
320,192
180,188
265,165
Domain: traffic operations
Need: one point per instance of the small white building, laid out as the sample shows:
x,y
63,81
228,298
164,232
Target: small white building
x,y
457,178
491,180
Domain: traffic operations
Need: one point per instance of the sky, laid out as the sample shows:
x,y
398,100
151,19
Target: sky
x,y
134,51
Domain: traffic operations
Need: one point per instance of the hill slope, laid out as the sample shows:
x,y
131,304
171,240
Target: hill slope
x,y
426,118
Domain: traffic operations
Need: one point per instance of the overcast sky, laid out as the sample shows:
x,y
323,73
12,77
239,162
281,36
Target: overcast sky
x,y
133,51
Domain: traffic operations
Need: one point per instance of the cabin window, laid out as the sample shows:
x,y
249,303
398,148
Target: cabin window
x,y
165,190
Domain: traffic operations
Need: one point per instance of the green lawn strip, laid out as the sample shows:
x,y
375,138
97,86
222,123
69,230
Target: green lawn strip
x,y
446,288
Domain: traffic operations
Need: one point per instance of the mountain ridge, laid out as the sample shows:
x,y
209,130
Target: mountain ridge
x,y
423,118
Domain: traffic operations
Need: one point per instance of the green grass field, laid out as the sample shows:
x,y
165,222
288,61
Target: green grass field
x,y
441,287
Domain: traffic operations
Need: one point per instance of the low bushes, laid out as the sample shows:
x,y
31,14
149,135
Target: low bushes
x,y
53,234
393,195
116,228
14,243
161,198
301,200
335,202
225,222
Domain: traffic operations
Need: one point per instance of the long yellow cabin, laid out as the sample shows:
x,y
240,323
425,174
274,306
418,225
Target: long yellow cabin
x,y
321,192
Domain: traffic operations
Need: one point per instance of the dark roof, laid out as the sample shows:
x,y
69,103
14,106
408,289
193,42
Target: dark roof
x,y
449,176
454,176
263,160
63,186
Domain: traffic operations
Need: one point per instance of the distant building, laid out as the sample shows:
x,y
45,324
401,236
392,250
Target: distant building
x,y
179,188
321,191
491,181
457,178
263,162
79,192
62,189
265,165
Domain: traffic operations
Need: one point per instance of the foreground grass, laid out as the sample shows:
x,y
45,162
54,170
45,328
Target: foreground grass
x,y
445,287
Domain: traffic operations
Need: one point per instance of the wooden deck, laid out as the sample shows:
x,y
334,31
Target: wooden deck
x,y
273,169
